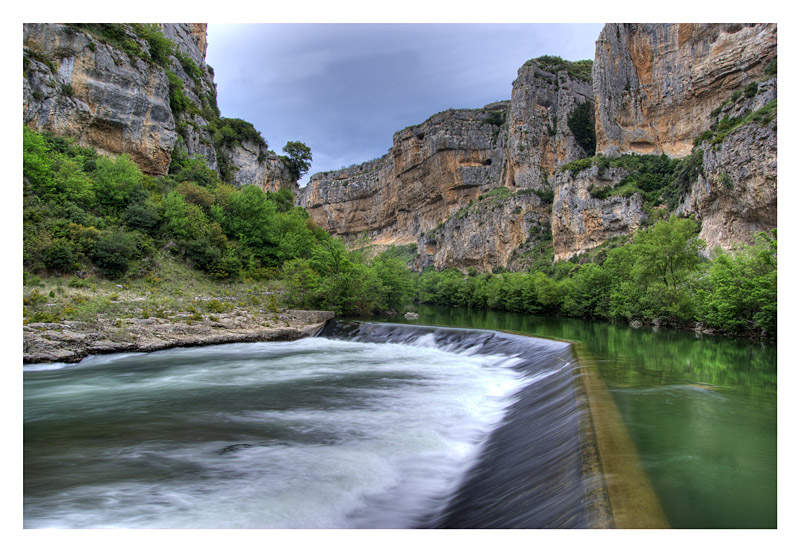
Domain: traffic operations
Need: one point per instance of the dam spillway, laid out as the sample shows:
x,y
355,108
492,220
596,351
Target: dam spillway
x,y
364,426
538,468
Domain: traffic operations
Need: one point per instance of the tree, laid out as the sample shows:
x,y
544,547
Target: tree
x,y
740,291
668,251
297,158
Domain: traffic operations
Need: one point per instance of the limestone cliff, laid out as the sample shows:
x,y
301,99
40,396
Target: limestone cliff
x,y
473,188
84,88
737,192
420,190
117,88
655,85
497,229
581,222
544,95
431,171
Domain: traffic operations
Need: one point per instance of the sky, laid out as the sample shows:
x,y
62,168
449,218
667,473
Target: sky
x,y
344,89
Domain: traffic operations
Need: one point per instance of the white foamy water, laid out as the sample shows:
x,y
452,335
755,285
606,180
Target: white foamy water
x,y
307,434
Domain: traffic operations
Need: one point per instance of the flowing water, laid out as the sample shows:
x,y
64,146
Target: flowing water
x,y
701,410
398,425
318,433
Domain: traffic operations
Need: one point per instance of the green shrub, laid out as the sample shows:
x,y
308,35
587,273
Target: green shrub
x,y
581,122
179,102
500,192
771,69
59,256
217,306
496,118
580,70
114,253
142,216
189,66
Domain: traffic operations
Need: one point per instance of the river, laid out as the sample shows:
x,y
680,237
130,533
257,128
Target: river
x,y
325,433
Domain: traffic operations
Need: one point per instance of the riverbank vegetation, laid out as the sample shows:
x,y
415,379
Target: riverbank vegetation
x,y
100,237
658,277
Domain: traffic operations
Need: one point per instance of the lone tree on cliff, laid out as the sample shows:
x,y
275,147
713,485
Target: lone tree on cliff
x,y
297,158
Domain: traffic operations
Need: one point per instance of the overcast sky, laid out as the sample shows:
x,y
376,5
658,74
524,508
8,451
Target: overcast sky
x,y
344,89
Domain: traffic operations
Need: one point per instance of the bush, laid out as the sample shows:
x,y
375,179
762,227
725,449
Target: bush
x,y
113,253
580,70
581,123
142,216
59,256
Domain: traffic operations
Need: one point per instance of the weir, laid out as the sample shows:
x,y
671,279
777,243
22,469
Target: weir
x,y
540,467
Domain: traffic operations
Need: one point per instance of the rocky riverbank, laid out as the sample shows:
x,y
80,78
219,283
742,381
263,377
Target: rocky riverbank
x,y
70,341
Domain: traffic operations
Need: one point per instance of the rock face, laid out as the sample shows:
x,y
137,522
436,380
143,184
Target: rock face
x,y
431,170
656,84
653,89
255,164
473,188
737,194
539,139
78,85
581,222
422,189
85,89
489,232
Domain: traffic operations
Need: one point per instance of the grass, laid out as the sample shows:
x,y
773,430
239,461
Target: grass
x,y
172,291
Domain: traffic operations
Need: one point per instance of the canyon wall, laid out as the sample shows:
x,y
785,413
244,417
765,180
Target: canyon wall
x,y
431,170
120,93
656,84
496,186
427,188
652,89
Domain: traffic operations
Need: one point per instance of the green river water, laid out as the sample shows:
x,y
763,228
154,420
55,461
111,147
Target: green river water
x,y
701,410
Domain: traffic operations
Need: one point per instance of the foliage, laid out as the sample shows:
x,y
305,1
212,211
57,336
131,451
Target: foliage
x,y
298,158
189,66
580,70
659,179
160,47
114,252
228,133
123,37
581,123
117,35
87,214
500,192
739,293
657,274
496,117
179,102
771,69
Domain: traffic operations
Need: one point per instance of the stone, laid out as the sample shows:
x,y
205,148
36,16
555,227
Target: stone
x,y
120,104
655,85
72,341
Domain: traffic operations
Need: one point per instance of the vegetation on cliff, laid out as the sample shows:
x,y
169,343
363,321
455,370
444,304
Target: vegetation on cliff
x,y
581,123
580,70
92,222
659,179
